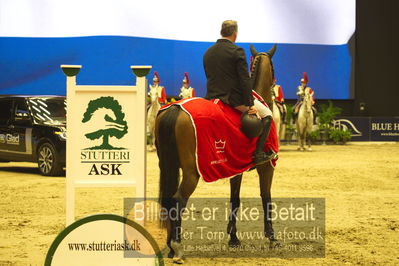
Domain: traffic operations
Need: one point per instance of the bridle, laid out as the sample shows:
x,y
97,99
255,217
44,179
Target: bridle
x,y
255,67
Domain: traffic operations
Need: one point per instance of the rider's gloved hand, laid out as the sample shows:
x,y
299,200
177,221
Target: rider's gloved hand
x,y
253,111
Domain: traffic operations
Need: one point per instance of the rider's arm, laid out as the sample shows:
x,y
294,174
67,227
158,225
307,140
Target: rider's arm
x,y
299,91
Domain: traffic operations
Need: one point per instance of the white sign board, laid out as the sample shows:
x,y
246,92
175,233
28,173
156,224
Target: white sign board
x,y
106,139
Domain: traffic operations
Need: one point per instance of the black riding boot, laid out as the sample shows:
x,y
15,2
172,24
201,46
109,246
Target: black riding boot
x,y
260,157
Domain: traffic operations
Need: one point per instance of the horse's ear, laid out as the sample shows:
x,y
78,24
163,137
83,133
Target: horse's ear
x,y
272,51
253,50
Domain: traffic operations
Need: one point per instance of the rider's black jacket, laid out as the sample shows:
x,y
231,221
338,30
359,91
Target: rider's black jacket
x,y
226,70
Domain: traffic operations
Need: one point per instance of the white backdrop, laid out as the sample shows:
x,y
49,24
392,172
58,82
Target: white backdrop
x,y
282,21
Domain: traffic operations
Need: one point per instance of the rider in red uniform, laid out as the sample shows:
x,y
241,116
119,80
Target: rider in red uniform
x,y
278,96
301,90
160,89
186,91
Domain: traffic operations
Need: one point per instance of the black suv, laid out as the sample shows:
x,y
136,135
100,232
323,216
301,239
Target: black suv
x,y
32,129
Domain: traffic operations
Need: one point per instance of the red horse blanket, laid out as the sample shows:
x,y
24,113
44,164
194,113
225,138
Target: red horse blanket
x,y
222,149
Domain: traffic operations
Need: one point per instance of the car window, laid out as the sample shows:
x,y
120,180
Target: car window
x,y
21,112
48,110
5,111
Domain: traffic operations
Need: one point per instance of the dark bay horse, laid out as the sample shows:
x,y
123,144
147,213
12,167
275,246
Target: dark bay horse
x,y
174,124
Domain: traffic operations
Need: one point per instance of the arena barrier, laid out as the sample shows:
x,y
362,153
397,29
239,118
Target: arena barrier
x,y
106,135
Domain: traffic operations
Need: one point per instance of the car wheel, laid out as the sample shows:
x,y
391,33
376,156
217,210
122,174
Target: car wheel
x,y
47,160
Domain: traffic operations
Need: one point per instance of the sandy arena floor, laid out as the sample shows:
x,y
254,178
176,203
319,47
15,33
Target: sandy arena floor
x,y
359,182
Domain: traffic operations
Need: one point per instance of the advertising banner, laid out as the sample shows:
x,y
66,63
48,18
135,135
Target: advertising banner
x,y
370,128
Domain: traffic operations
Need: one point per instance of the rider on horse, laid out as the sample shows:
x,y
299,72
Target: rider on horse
x,y
301,91
186,91
278,97
226,70
156,88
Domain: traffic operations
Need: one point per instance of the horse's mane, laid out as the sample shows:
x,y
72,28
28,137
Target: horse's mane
x,y
255,68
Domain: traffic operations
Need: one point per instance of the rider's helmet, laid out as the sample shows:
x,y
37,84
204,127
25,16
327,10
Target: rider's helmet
x,y
156,77
186,79
305,78
251,126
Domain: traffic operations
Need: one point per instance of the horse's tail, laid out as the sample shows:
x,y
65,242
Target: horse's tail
x,y
168,156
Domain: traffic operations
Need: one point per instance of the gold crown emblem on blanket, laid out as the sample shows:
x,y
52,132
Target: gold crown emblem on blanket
x,y
220,144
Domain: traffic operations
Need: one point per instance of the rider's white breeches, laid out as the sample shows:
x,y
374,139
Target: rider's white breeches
x,y
262,109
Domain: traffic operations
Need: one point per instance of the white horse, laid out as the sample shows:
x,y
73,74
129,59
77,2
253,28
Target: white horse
x,y
280,126
152,115
304,122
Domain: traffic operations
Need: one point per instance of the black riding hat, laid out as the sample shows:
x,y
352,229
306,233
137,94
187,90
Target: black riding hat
x,y
251,126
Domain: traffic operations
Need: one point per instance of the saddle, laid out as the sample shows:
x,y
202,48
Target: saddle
x,y
223,151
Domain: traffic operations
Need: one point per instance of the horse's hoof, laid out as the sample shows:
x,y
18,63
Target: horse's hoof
x,y
178,260
234,242
171,254
177,248
310,149
274,244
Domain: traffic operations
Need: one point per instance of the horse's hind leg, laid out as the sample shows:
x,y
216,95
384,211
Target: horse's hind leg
x,y
265,172
235,185
186,188
186,150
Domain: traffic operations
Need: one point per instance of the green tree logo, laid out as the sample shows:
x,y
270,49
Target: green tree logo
x,y
113,128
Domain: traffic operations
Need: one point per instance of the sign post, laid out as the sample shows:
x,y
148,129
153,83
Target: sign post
x,y
106,140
